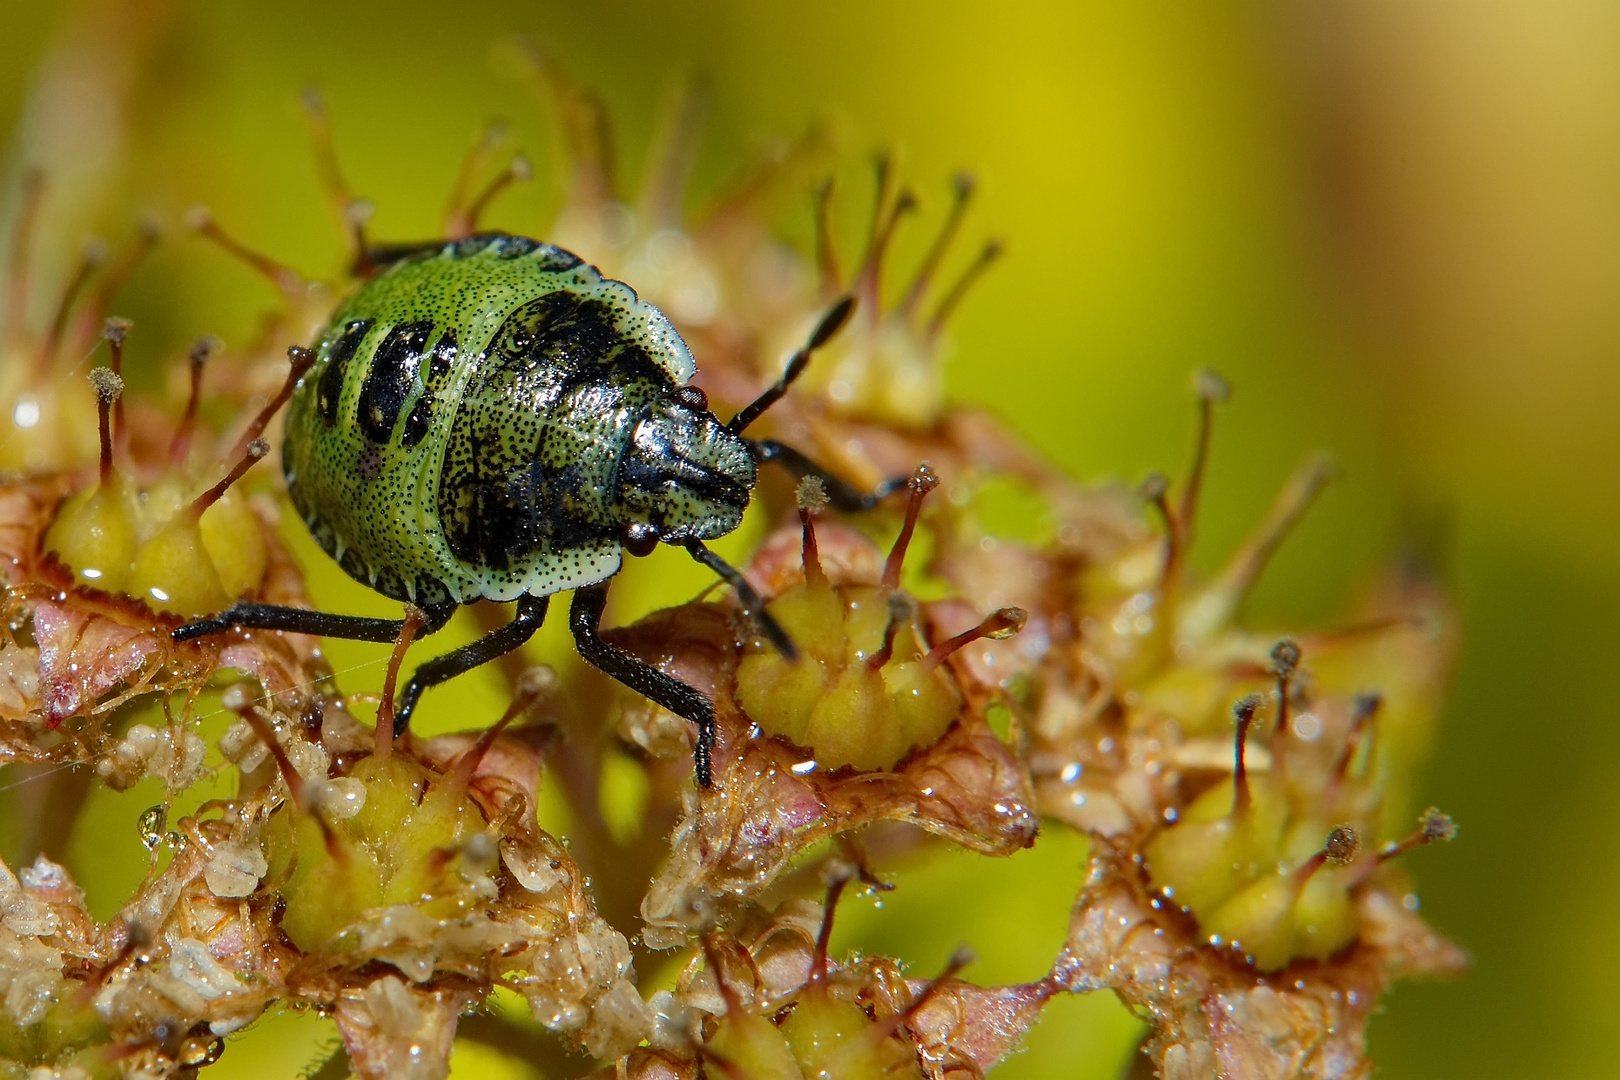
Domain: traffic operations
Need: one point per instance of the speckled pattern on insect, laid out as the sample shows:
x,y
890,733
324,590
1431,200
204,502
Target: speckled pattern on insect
x,y
491,418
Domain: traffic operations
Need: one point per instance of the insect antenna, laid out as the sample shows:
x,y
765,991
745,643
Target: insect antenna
x,y
753,607
829,325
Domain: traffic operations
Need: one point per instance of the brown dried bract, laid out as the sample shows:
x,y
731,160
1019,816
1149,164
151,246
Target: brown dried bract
x,y
1213,1016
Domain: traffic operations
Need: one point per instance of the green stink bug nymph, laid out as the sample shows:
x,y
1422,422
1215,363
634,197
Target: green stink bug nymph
x,y
491,418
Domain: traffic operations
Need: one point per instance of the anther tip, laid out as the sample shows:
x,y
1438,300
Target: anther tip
x,y
1246,706
1343,845
812,494
1437,826
1008,621
115,329
109,387
1153,487
1210,386
1285,657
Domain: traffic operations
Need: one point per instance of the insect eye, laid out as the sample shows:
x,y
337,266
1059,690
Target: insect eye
x,y
693,398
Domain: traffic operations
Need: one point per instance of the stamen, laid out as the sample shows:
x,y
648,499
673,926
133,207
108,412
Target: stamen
x,y
236,699
383,735
200,219
1364,712
869,281
998,625
1433,827
1284,662
180,446
669,157
94,310
902,608
1212,390
22,242
299,361
1218,602
962,185
991,251
921,483
92,256
812,498
109,388
1343,845
1154,490
959,959
115,330
457,221
826,257
255,451
728,993
830,324
584,154
839,875
883,174
1243,709
533,685
518,171
345,207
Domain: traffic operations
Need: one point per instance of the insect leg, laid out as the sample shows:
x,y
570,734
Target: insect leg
x,y
531,612
841,494
585,619
304,621
752,605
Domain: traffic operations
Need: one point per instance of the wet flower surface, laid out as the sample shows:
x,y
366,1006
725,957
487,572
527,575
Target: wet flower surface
x,y
955,688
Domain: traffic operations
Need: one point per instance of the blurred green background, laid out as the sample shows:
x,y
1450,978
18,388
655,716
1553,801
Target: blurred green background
x,y
1393,225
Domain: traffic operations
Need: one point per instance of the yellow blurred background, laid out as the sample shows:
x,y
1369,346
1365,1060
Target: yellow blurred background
x,y
1394,225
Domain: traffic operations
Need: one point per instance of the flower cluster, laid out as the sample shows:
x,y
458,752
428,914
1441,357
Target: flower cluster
x,y
955,686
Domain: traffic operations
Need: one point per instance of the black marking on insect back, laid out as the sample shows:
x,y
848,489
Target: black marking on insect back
x,y
535,444
391,379
328,390
419,421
